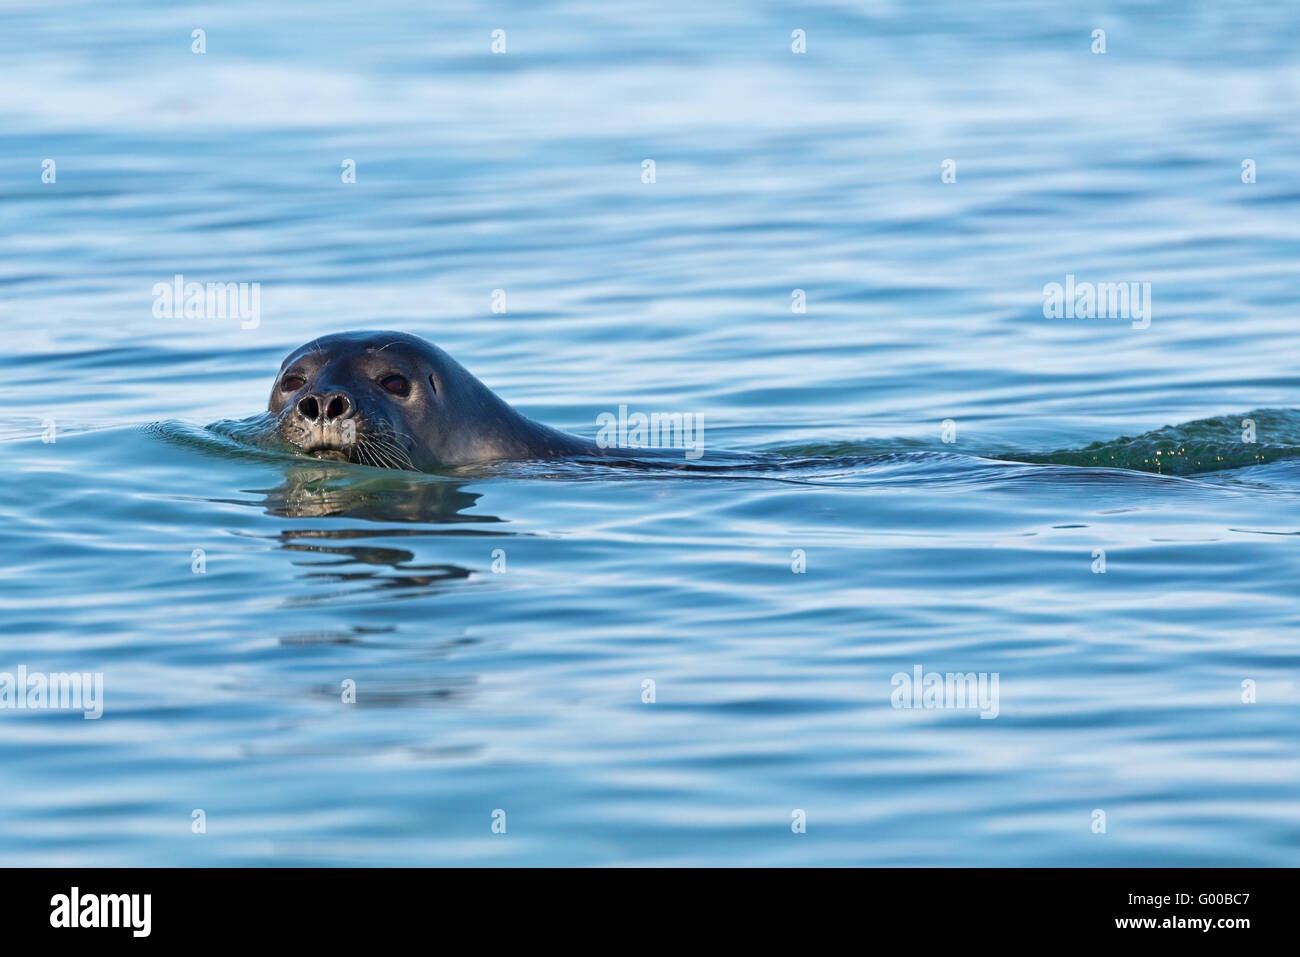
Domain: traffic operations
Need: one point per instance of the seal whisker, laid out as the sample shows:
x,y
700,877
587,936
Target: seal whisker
x,y
374,457
379,450
396,455
361,447
392,452
400,458
382,439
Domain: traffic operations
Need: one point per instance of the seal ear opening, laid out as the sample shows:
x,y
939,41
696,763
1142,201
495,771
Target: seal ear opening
x,y
433,384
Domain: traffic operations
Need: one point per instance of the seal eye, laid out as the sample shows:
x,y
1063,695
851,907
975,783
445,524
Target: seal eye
x,y
396,385
291,383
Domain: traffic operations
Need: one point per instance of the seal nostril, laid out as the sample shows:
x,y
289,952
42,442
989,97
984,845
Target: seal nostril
x,y
309,408
339,406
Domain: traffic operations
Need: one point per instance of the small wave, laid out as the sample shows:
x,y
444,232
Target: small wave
x,y
1201,447
1198,447
229,438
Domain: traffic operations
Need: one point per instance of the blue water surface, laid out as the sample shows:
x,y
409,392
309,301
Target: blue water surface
x,y
621,666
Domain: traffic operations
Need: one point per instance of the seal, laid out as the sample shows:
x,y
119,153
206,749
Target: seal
x,y
393,400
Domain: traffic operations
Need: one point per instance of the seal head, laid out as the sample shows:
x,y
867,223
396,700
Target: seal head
x,y
393,400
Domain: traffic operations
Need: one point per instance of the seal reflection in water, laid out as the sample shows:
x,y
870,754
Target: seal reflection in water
x,y
346,553
317,491
392,400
